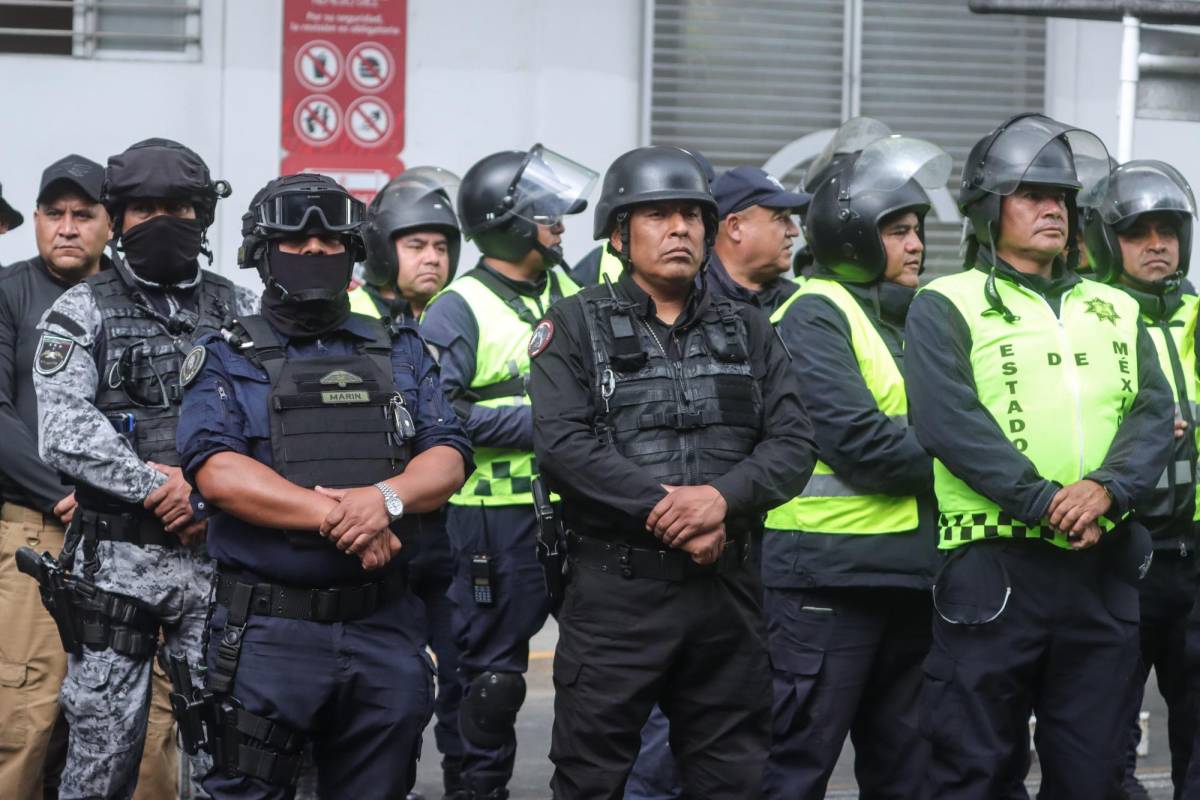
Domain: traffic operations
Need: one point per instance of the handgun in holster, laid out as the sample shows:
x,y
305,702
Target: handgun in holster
x,y
57,587
192,707
551,545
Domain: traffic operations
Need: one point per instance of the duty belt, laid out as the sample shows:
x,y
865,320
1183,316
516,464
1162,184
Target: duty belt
x,y
139,529
661,565
339,604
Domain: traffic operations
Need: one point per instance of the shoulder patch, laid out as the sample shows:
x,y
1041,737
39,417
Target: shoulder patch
x,y
52,353
192,365
541,337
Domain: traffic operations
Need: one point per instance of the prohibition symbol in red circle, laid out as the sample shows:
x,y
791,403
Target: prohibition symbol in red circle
x,y
318,64
369,121
371,66
318,119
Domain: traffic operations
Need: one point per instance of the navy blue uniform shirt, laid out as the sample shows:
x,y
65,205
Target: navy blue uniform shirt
x,y
226,409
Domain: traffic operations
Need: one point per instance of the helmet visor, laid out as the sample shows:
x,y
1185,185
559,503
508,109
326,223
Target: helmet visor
x,y
295,212
1139,187
437,178
549,186
854,135
1016,156
887,164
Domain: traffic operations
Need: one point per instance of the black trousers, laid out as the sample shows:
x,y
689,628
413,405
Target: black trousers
x,y
1064,647
846,661
1167,594
696,647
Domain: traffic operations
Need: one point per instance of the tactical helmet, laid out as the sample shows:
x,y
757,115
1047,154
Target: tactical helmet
x,y
420,198
160,168
891,175
505,196
648,175
299,205
1115,204
850,139
1028,148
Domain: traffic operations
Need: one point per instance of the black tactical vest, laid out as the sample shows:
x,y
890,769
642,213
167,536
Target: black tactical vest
x,y
336,421
686,421
139,389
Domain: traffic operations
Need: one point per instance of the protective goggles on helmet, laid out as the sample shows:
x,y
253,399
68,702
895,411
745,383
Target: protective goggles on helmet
x,y
296,212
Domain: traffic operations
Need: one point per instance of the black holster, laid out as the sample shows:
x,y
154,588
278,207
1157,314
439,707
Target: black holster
x,y
192,707
551,545
56,595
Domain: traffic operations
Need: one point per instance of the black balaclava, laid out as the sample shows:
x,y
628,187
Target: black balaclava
x,y
306,296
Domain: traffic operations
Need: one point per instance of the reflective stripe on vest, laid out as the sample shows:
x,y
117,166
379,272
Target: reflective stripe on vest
x,y
1058,386
829,504
503,476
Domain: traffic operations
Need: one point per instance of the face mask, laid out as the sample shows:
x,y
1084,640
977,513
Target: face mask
x,y
163,250
313,277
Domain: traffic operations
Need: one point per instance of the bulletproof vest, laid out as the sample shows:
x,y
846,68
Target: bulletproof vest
x,y
139,389
338,420
685,420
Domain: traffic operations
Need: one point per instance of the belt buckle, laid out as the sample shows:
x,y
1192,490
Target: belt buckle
x,y
625,560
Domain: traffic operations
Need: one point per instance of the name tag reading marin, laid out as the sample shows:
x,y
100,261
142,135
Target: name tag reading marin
x,y
53,352
342,379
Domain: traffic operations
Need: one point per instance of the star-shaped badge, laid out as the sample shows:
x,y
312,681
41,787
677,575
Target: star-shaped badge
x,y
1104,310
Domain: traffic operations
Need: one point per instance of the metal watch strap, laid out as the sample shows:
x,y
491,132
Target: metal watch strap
x,y
389,498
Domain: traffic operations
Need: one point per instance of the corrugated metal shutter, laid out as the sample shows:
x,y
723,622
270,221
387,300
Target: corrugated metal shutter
x,y
736,79
932,69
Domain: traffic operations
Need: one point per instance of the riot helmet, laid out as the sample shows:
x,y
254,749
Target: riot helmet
x,y
163,251
505,196
1029,149
296,206
891,175
853,135
421,198
1119,199
649,175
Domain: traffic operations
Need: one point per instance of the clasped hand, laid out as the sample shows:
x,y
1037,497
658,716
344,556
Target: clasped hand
x,y
691,518
1075,509
171,502
358,525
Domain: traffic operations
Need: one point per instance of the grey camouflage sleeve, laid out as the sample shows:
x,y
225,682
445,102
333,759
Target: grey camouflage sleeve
x,y
74,437
246,301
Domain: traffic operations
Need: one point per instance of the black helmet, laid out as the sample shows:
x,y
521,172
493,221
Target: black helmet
x,y
420,198
849,140
160,168
891,175
650,174
299,205
1129,191
1028,148
505,196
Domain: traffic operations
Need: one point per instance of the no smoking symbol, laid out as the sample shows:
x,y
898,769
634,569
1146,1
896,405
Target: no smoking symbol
x,y
318,65
370,66
369,121
317,119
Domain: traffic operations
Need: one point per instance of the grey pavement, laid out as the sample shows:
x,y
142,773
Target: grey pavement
x,y
532,775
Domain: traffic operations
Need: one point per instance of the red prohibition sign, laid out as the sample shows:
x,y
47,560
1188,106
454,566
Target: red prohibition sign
x,y
371,66
318,119
318,64
369,121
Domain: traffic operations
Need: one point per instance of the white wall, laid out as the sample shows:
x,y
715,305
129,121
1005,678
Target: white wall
x,y
481,76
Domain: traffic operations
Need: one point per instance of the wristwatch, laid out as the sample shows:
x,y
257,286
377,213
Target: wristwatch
x,y
391,501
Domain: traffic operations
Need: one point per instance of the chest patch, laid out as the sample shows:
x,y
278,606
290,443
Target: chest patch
x,y
340,378
1104,310
191,365
541,337
52,354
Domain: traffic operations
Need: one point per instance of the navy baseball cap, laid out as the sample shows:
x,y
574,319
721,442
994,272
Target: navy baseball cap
x,y
76,172
742,187
9,216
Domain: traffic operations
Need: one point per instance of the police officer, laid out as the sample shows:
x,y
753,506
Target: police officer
x,y
316,433
847,564
669,421
753,250
511,205
602,262
106,374
1138,230
412,242
1040,397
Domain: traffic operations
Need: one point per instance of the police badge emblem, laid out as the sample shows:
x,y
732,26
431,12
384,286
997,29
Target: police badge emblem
x,y
191,365
52,354
540,340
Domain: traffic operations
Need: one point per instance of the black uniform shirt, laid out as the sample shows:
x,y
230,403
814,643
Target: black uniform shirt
x,y
769,298
27,289
578,463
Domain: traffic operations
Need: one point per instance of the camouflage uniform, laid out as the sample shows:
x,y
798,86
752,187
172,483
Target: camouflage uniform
x,y
106,695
